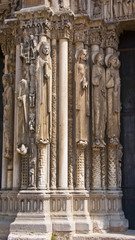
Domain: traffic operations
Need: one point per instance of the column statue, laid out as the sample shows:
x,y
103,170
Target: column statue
x,y
44,93
8,115
113,98
99,100
82,95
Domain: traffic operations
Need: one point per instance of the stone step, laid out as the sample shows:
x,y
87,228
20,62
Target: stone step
x,y
130,234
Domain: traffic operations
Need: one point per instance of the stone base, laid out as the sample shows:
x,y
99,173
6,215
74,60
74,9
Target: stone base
x,y
106,212
108,236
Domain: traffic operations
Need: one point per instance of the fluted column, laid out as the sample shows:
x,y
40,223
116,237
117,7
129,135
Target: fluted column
x,y
63,113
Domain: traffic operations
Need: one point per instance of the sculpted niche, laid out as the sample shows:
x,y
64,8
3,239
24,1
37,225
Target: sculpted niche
x,y
99,100
44,93
82,96
113,98
8,115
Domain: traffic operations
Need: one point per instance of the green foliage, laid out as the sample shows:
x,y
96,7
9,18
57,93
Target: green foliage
x,y
52,238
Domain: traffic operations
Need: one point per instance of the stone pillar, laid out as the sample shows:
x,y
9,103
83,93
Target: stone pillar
x,y
16,159
54,115
63,113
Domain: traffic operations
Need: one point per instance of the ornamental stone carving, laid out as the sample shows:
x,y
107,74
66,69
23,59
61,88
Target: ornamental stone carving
x,y
44,93
8,115
113,98
99,100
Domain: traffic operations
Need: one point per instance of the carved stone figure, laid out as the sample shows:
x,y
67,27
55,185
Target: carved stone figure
x,y
82,95
22,112
113,98
97,8
99,100
32,85
32,122
107,9
82,5
8,115
22,149
32,164
33,47
25,50
127,7
44,93
117,8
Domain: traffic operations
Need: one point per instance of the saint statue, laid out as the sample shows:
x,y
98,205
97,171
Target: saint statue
x,y
99,100
82,96
113,98
8,116
44,93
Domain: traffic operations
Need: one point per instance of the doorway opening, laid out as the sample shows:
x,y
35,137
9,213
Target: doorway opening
x,y
127,74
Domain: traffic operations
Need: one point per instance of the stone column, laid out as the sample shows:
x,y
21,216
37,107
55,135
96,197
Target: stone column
x,y
16,159
63,113
54,115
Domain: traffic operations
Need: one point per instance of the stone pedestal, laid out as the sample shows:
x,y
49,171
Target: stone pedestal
x,y
33,218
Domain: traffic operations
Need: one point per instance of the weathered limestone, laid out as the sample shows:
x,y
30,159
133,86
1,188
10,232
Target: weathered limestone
x,y
61,148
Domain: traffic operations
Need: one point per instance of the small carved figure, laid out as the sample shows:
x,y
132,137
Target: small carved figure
x,y
82,5
32,164
32,85
82,95
44,93
127,8
97,8
23,97
33,47
113,98
117,8
8,115
22,112
99,100
107,9
32,122
25,50
22,150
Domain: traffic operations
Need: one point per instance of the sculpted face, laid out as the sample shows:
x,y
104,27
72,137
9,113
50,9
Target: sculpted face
x,y
83,55
100,59
45,50
114,61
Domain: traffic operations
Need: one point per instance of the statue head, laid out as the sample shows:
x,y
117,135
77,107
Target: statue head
x,y
82,55
112,60
44,49
98,58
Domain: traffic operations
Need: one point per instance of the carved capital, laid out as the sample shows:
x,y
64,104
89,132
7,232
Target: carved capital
x,y
111,38
95,37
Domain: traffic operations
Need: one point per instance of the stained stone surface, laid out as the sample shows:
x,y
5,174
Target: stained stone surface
x,y
61,162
